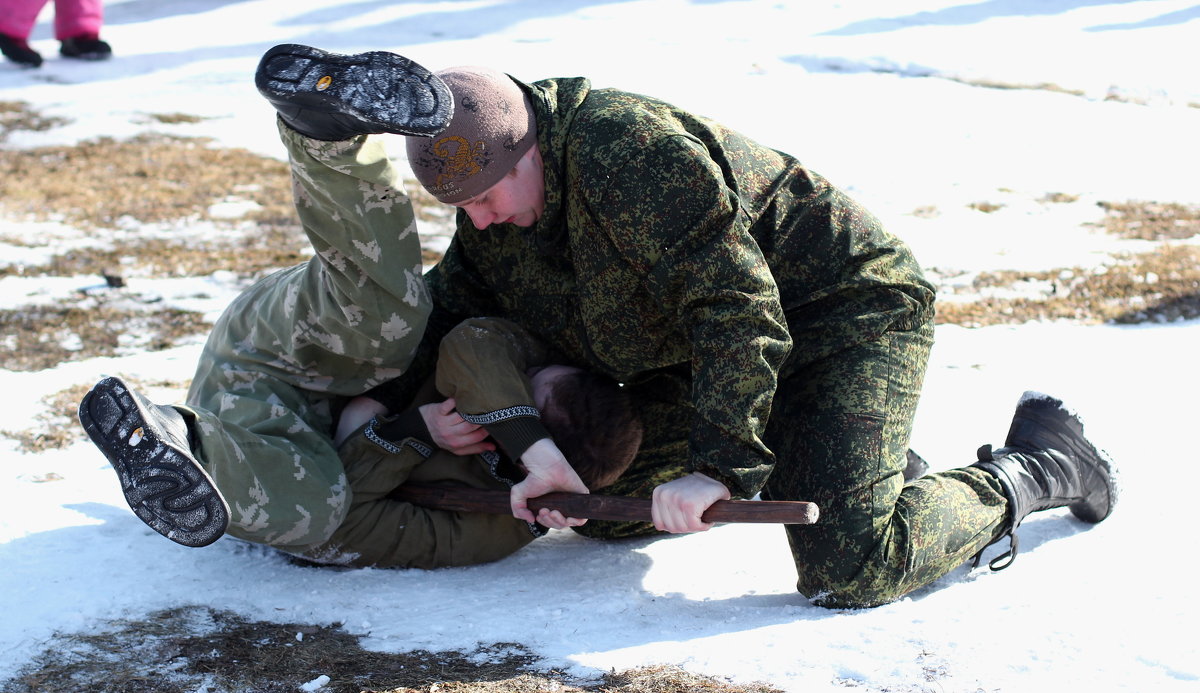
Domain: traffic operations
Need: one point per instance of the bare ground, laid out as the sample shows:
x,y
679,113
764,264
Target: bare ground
x,y
101,189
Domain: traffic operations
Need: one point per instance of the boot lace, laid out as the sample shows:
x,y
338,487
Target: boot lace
x,y
984,454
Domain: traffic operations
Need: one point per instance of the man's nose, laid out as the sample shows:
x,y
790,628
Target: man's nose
x,y
481,218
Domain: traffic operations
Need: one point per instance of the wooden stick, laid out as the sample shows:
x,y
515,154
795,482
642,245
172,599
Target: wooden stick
x,y
596,507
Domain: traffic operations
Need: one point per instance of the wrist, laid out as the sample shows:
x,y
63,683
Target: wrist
x,y
517,435
543,455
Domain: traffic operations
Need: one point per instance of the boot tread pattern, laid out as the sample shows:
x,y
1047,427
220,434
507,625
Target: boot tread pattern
x,y
165,487
385,91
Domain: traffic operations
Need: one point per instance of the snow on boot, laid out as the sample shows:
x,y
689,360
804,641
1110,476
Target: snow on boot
x,y
148,447
333,97
18,51
1047,462
85,47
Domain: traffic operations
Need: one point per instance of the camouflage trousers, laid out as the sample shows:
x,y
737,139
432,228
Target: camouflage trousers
x,y
840,429
287,352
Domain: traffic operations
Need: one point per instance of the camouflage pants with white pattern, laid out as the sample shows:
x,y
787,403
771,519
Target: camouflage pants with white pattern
x,y
289,350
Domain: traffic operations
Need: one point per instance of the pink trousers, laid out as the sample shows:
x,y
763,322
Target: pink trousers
x,y
71,17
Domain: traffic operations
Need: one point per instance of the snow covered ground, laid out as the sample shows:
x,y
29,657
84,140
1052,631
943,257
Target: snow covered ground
x,y
884,98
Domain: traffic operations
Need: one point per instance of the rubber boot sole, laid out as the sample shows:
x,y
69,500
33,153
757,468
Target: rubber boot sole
x,y
164,485
383,91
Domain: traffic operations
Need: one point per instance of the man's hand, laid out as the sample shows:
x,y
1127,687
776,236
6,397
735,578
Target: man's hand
x,y
678,505
548,471
451,432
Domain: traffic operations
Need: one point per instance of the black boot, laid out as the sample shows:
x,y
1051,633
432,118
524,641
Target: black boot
x,y
149,447
333,97
1046,462
18,51
85,47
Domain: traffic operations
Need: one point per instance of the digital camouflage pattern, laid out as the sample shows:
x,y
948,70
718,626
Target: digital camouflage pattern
x,y
841,427
285,353
674,252
704,270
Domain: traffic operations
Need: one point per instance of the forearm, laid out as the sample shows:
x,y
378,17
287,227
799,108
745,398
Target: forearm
x,y
739,342
735,374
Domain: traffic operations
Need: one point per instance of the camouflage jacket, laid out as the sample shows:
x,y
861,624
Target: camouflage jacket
x,y
677,255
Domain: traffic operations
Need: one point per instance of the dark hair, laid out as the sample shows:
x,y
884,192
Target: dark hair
x,y
595,424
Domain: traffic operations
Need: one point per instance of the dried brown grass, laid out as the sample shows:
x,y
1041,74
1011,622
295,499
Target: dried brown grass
x,y
193,648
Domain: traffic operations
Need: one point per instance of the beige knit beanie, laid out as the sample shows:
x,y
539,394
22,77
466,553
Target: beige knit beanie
x,y
492,127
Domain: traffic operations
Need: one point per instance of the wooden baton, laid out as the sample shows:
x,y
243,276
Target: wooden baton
x,y
596,507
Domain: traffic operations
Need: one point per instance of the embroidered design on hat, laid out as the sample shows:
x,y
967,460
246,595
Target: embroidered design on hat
x,y
458,159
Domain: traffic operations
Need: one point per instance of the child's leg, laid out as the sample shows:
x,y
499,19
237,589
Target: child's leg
x,y
17,17
73,18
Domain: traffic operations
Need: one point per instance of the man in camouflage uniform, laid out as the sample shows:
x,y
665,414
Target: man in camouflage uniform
x,y
773,333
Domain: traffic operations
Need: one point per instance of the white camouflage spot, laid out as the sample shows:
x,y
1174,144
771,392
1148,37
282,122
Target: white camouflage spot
x,y
354,315
414,288
298,531
379,196
395,328
334,258
408,230
370,250
290,299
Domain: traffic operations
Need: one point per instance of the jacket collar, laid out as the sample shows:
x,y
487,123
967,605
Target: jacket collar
x,y
555,103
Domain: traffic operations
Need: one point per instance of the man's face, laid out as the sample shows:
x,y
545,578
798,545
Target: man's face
x,y
517,198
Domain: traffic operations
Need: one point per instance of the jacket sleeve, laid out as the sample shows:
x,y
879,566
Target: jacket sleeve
x,y
670,213
483,364
383,531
